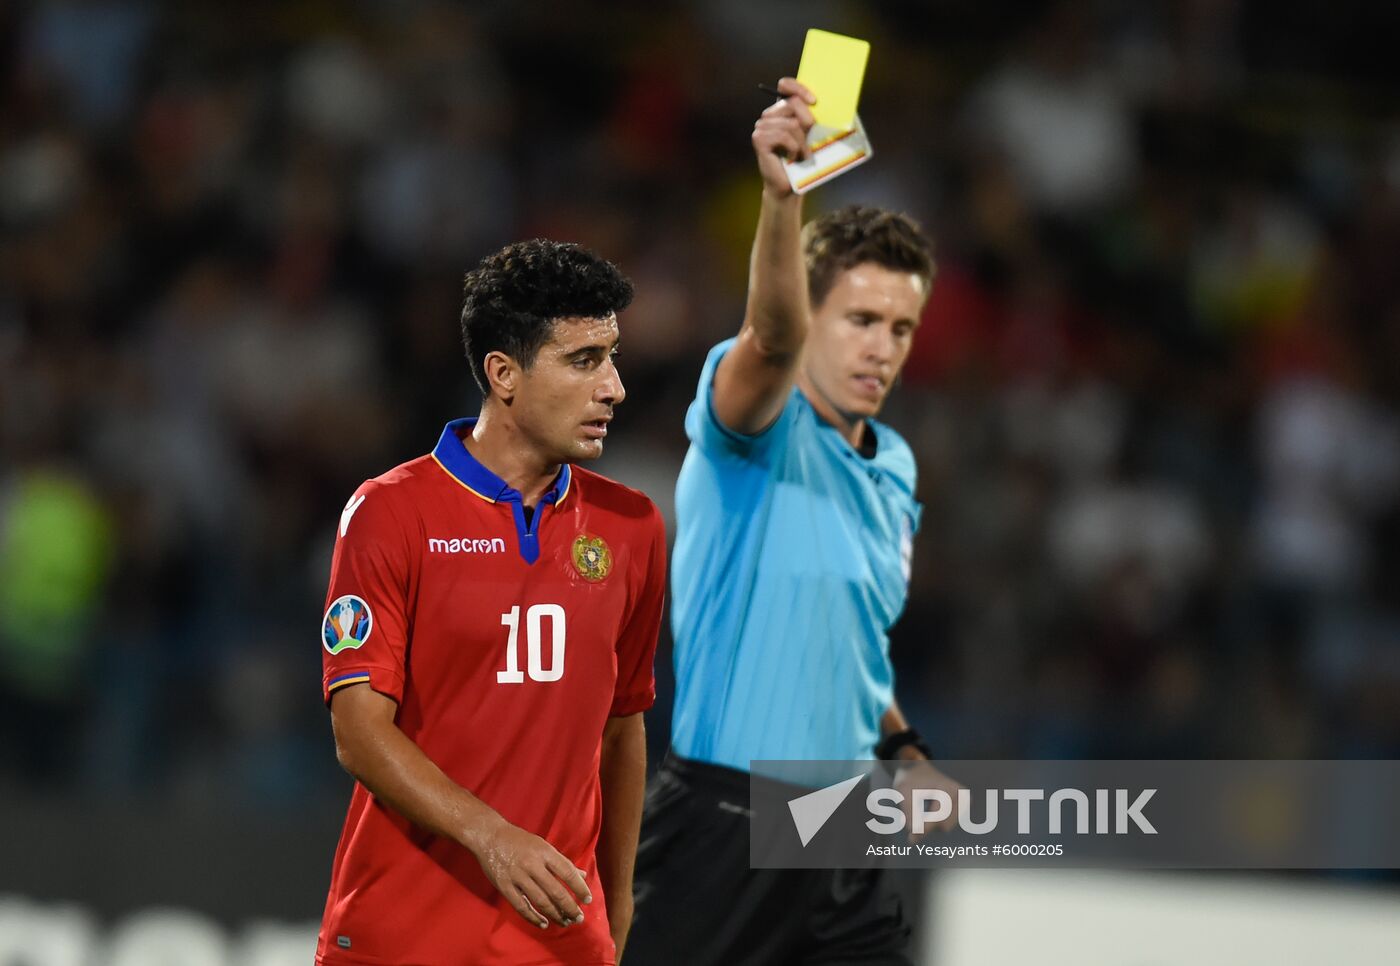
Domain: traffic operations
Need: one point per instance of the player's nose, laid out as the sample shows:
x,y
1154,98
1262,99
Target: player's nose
x,y
611,390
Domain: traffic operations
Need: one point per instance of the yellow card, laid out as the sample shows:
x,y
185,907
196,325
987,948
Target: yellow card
x,y
832,67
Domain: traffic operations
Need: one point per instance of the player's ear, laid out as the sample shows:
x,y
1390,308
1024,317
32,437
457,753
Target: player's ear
x,y
502,375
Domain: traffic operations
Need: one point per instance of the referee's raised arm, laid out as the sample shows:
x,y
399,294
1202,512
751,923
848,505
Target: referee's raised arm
x,y
754,378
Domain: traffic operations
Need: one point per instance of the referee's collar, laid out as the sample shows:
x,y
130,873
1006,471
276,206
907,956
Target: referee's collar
x,y
456,460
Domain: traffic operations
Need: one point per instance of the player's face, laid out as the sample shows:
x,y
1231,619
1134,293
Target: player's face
x,y
860,338
566,398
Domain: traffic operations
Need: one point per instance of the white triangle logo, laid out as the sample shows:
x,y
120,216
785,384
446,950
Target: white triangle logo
x,y
811,811
349,512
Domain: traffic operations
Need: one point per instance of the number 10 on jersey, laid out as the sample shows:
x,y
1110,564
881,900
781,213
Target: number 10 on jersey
x,y
534,638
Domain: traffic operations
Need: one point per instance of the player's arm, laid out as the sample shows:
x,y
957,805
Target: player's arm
x,y
526,869
622,773
755,377
622,762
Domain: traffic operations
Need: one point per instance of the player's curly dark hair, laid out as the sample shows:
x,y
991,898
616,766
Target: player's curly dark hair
x,y
512,299
855,234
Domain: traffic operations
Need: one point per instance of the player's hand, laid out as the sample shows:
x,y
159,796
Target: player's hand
x,y
918,772
780,134
534,877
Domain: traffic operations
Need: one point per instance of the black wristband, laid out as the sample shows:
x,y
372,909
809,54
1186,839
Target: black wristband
x,y
889,746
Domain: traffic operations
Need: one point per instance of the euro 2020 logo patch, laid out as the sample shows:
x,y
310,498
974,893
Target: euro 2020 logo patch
x,y
592,558
347,624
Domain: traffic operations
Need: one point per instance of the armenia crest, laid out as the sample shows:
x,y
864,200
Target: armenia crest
x,y
592,558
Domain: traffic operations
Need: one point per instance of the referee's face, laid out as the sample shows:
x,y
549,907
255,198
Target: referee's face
x,y
565,400
861,335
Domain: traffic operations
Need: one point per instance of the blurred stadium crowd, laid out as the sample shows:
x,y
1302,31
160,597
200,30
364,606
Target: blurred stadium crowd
x,y
1154,396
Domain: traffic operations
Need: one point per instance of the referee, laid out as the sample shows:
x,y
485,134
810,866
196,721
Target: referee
x,y
795,519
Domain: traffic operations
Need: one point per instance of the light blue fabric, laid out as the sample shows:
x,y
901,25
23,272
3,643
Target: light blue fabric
x,y
791,563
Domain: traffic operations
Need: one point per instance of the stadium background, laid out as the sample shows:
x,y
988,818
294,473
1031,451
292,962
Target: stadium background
x,y
1154,397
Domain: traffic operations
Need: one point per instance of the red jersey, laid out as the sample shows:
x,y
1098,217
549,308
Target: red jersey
x,y
507,644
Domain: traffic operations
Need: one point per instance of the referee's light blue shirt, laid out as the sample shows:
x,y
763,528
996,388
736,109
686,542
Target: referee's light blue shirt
x,y
791,563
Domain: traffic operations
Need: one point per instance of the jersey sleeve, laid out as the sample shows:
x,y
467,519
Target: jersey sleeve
x,y
705,430
364,632
636,647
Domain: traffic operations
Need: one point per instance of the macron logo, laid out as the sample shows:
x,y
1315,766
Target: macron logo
x,y
349,512
456,545
811,811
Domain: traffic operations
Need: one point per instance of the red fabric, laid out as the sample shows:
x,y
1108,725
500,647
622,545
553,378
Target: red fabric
x,y
529,749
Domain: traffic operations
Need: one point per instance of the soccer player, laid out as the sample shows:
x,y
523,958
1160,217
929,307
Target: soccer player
x,y
795,520
492,618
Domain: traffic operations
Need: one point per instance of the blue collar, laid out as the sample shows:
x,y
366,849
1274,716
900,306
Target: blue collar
x,y
454,457
458,462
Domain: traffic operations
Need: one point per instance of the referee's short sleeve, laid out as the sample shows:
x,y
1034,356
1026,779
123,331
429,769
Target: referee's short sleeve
x,y
703,426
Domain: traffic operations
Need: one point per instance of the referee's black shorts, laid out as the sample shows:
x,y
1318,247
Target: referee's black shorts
x,y
698,902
